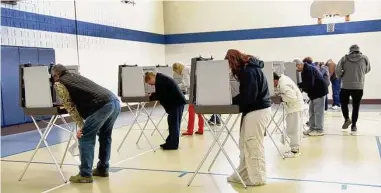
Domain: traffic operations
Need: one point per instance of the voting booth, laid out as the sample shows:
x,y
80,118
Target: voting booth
x,y
38,100
132,89
210,93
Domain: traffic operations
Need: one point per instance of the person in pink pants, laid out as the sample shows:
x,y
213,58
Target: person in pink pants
x,y
182,74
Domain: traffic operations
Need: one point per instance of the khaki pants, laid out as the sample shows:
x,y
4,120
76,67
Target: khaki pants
x,y
294,128
252,167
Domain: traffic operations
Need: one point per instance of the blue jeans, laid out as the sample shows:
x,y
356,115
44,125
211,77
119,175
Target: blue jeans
x,y
316,111
174,121
336,92
99,123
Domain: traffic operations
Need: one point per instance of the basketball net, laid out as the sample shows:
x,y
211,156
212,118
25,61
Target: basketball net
x,y
331,20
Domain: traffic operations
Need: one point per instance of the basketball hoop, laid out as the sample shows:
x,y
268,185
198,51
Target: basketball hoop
x,y
331,19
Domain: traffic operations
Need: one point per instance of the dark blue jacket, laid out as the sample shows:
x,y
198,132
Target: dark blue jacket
x,y
167,92
253,88
313,82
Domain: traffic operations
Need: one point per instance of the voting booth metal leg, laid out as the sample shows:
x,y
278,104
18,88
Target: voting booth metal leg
x,y
150,119
216,140
281,121
72,132
44,135
229,134
162,117
136,121
267,131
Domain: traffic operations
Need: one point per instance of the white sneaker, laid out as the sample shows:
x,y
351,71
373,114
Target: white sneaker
x,y
316,133
335,107
233,179
290,154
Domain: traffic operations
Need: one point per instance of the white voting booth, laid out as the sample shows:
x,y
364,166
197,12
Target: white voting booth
x,y
213,95
36,99
133,90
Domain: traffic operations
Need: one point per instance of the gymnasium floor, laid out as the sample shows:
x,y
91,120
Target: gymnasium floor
x,y
333,163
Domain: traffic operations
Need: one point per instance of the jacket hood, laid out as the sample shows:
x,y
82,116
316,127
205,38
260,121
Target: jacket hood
x,y
354,57
254,62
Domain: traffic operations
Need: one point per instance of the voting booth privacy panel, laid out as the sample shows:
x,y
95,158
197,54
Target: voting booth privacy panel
x,y
12,113
38,99
210,89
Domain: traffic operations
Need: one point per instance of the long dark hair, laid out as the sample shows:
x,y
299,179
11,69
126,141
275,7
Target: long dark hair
x,y
237,61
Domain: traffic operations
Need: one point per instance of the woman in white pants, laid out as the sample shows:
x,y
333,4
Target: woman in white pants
x,y
287,89
255,105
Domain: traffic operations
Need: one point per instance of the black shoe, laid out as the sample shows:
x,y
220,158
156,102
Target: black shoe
x,y
98,172
346,124
353,130
169,147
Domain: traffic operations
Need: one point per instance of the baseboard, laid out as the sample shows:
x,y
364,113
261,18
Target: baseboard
x,y
363,101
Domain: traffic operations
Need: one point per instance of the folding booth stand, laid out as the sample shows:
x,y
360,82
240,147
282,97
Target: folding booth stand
x,y
132,89
37,98
204,105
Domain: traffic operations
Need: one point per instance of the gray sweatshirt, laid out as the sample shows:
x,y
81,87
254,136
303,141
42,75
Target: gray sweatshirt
x,y
352,69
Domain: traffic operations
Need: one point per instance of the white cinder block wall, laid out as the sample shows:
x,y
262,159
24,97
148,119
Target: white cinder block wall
x,y
98,57
183,17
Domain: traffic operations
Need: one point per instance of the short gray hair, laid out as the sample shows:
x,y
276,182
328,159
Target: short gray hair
x,y
58,69
297,61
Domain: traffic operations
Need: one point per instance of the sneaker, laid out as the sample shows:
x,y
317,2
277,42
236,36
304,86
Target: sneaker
x,y
233,179
97,172
353,130
80,179
346,124
291,154
307,132
335,107
316,133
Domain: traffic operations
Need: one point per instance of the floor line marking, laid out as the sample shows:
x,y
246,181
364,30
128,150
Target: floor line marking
x,y
221,174
183,174
111,165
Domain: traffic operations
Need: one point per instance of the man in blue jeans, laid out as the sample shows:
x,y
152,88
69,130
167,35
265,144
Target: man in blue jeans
x,y
316,88
85,100
336,83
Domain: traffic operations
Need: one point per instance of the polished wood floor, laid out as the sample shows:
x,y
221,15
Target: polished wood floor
x,y
336,162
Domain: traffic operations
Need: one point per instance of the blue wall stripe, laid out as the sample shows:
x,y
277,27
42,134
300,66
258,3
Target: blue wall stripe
x,y
277,32
33,21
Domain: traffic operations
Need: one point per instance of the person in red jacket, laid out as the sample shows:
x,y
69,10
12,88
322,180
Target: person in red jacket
x,y
183,73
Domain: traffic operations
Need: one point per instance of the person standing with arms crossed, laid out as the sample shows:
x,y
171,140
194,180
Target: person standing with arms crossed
x,y
183,72
85,100
352,69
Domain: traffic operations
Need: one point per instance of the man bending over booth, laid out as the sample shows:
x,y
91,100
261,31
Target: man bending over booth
x,y
85,100
168,93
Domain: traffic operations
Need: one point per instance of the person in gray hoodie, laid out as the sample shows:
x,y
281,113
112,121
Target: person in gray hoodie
x,y
352,69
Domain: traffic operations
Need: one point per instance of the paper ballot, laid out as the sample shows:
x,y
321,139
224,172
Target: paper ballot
x,y
213,83
37,87
132,82
74,149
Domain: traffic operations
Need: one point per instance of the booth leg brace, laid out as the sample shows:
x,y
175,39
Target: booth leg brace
x,y
139,112
270,134
44,135
221,148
